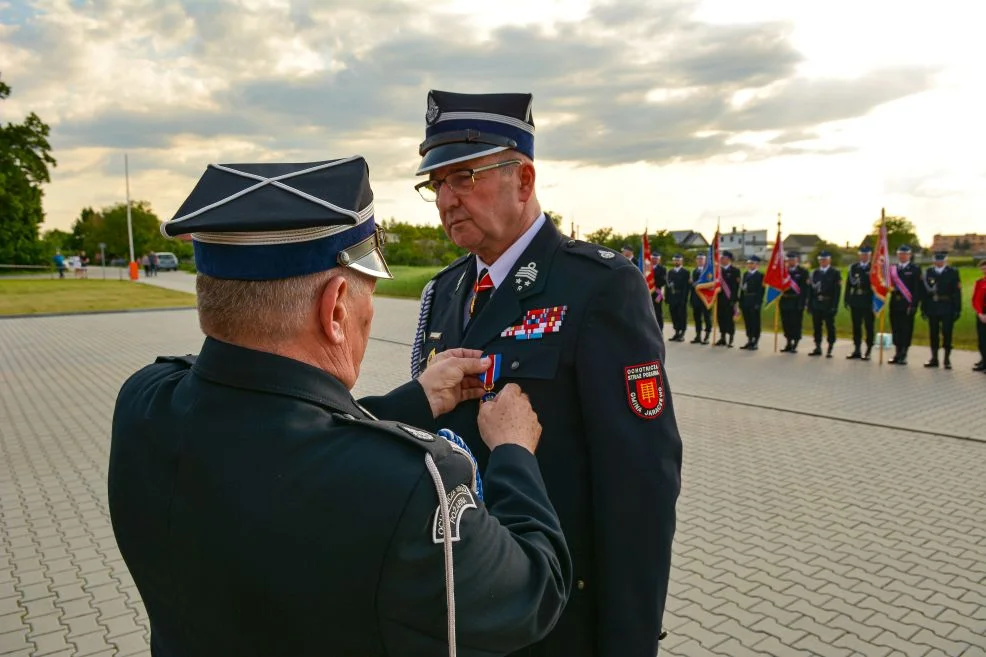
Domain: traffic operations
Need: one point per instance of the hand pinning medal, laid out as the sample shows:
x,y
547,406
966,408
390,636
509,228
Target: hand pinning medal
x,y
490,376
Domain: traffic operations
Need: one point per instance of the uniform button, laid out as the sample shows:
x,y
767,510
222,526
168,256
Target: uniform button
x,y
514,365
580,585
570,243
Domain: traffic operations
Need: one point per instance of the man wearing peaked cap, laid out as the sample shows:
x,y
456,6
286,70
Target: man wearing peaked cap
x,y
858,299
679,281
793,301
573,325
942,306
823,302
263,511
906,293
751,300
727,306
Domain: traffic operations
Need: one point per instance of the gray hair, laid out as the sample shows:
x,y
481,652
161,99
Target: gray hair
x,y
266,312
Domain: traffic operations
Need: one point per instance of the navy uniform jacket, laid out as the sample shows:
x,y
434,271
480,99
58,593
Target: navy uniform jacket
x,y
752,290
943,296
790,299
678,286
660,277
696,299
611,462
262,513
825,291
859,290
731,279
910,276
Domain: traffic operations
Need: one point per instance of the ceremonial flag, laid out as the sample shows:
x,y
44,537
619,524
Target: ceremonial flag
x,y
645,267
709,280
880,274
777,278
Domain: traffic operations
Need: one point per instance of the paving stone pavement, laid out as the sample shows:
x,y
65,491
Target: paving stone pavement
x,y
801,530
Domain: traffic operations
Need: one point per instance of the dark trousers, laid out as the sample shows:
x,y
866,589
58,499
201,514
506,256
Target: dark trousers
x,y
751,317
902,328
679,316
791,321
724,315
862,317
659,311
702,314
981,332
826,317
944,326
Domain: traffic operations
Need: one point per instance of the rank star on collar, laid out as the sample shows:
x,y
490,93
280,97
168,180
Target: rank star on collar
x,y
526,276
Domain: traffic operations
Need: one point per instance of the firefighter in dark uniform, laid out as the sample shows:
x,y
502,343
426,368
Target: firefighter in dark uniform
x,y
906,293
660,281
942,306
572,323
701,313
751,301
678,288
858,299
727,304
793,302
263,511
824,294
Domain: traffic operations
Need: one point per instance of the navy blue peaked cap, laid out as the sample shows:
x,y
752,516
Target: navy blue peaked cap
x,y
904,248
793,254
753,258
461,127
268,221
726,254
866,249
824,254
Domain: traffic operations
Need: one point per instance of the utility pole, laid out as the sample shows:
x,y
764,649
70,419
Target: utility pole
x,y
130,228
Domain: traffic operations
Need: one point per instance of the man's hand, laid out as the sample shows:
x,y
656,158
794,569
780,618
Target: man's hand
x,y
451,378
509,420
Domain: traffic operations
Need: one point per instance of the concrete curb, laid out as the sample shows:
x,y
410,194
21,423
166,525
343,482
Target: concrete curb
x,y
96,312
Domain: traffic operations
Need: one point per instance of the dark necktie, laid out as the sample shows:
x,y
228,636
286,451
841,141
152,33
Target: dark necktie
x,y
482,291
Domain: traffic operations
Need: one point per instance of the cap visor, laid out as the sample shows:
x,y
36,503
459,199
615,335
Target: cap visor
x,y
372,264
446,154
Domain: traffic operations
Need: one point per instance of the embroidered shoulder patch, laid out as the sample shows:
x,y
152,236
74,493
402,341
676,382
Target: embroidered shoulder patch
x,y
645,389
459,500
418,433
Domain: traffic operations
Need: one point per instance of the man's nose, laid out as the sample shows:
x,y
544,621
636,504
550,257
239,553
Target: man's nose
x,y
446,197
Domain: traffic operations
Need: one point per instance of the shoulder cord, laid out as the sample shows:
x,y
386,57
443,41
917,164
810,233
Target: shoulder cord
x,y
419,336
436,477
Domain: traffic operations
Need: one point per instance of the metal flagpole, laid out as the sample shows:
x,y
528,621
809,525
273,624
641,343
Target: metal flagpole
x,y
715,278
886,303
777,301
130,228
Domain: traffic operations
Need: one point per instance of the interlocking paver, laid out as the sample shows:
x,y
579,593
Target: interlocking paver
x,y
797,528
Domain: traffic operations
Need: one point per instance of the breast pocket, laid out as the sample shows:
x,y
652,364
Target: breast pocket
x,y
529,361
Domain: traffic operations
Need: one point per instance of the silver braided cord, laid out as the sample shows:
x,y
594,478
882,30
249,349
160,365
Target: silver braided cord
x,y
436,477
419,336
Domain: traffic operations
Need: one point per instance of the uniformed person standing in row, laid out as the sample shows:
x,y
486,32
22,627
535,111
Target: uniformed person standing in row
x,y
793,301
678,287
263,511
751,301
728,304
823,302
573,324
942,306
906,293
660,281
628,254
701,313
858,299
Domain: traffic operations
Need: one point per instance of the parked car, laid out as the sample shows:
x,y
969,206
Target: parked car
x,y
167,261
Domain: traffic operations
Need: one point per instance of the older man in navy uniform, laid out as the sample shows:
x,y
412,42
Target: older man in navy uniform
x,y
728,303
906,294
793,301
751,301
264,511
858,299
942,306
573,324
823,302
678,288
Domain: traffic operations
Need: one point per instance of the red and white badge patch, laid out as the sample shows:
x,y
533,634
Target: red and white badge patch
x,y
645,389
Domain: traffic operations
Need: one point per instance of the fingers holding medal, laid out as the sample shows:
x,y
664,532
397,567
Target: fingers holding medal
x,y
509,420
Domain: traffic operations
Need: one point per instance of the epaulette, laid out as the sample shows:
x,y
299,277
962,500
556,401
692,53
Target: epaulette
x,y
452,265
599,254
185,361
438,447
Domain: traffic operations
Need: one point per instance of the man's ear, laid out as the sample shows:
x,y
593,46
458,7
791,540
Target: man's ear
x,y
332,309
526,175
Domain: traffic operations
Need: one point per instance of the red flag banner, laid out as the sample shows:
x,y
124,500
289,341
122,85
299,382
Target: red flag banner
x,y
645,267
880,272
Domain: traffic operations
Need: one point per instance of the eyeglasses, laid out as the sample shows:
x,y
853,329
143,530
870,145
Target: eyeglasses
x,y
461,182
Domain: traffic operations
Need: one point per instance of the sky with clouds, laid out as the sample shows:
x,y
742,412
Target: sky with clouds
x,y
669,114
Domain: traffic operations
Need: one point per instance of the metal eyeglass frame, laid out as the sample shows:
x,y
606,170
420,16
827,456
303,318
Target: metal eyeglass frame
x,y
432,187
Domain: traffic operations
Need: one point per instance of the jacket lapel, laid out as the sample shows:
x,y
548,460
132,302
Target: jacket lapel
x,y
527,278
454,306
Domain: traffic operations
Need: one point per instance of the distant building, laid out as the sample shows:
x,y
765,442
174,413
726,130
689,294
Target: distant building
x,y
803,244
968,243
689,239
744,243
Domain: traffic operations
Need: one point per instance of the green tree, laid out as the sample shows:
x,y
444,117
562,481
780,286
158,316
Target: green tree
x,y
109,226
555,218
899,231
25,156
55,240
822,245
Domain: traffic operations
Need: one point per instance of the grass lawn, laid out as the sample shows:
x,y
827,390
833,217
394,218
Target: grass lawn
x,y
26,297
407,281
